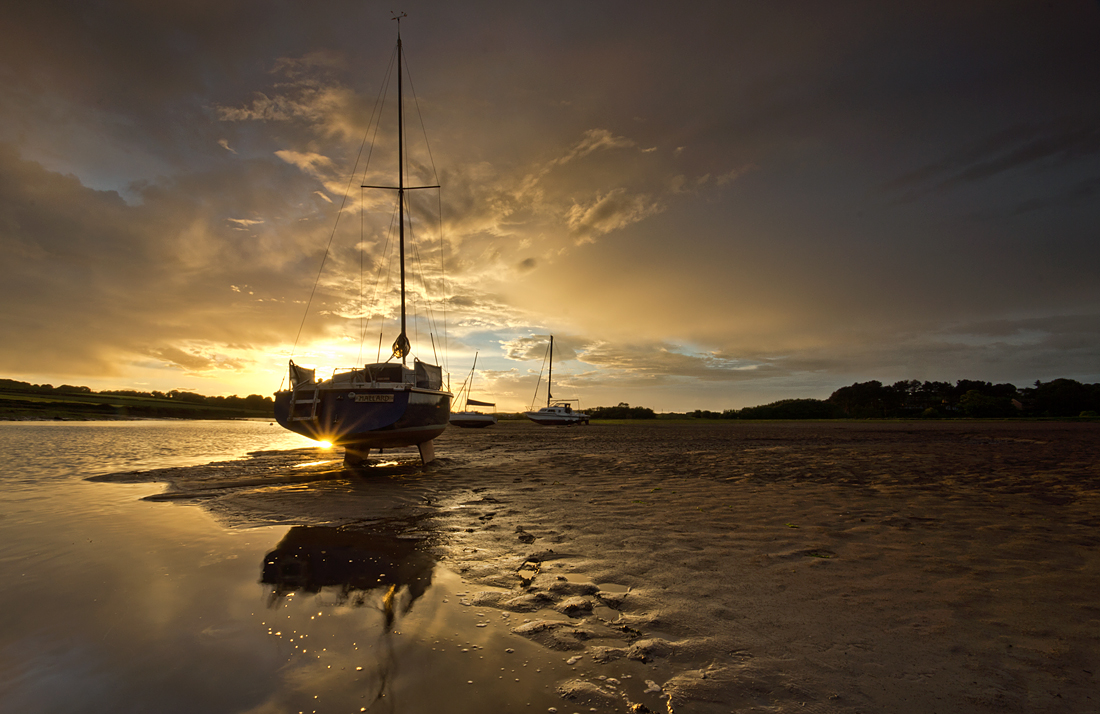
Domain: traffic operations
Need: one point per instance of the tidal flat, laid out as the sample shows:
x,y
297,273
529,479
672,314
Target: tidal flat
x,y
809,566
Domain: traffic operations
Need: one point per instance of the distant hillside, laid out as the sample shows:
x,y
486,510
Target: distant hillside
x,y
21,400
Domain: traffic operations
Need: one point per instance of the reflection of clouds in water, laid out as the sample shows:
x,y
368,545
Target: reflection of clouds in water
x,y
314,463
73,676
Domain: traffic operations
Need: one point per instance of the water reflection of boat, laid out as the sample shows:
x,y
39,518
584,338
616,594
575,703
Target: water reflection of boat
x,y
557,412
351,562
467,418
380,405
371,565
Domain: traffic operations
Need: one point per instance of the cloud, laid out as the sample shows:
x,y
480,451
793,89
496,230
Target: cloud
x,y
595,140
538,346
662,361
195,361
309,94
1016,147
645,361
734,174
244,223
311,163
1072,196
94,283
857,193
611,211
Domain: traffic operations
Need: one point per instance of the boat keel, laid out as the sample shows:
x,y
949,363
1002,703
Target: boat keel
x,y
355,458
427,451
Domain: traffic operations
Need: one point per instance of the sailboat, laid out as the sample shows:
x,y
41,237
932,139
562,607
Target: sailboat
x,y
472,419
557,412
382,405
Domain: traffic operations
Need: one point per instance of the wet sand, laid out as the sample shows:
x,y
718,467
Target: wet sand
x,y
822,567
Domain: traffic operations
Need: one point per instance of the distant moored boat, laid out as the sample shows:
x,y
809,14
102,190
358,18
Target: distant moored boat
x,y
557,412
472,419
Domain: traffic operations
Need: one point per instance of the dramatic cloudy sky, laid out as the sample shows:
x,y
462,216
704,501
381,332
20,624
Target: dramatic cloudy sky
x,y
710,205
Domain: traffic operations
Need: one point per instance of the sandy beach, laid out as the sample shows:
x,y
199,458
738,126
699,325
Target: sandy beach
x,y
817,567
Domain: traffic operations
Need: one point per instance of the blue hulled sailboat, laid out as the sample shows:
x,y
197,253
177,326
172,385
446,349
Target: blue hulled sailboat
x,y
382,405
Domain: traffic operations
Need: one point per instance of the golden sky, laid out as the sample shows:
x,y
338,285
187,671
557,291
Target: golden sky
x,y
710,206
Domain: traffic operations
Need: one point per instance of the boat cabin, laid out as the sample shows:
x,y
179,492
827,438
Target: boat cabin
x,y
381,374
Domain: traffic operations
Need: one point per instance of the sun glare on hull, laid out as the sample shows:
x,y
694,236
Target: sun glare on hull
x,y
324,444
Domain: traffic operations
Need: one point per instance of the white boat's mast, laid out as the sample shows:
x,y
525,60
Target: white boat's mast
x,y
550,376
471,388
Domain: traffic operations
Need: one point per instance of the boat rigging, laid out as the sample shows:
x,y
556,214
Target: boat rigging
x,y
467,418
557,412
384,404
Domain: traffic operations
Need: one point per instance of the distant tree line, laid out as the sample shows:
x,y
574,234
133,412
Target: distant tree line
x,y
1056,398
908,399
251,403
621,411
913,398
254,402
786,409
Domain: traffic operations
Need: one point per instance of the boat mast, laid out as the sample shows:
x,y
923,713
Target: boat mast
x,y
470,390
550,376
402,344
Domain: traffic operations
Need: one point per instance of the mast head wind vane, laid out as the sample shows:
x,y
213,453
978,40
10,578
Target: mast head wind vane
x,y
397,16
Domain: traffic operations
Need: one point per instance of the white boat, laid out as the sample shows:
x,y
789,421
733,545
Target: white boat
x,y
382,405
557,412
560,413
472,419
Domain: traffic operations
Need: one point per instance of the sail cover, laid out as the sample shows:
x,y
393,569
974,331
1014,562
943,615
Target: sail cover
x,y
428,376
476,403
301,375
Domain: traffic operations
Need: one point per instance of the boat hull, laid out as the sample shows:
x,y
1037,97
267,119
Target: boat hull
x,y
369,418
556,419
472,420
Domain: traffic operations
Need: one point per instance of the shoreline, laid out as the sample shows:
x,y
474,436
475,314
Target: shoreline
x,y
659,421
127,417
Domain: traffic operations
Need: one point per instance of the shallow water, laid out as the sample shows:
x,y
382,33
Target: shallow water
x,y
113,604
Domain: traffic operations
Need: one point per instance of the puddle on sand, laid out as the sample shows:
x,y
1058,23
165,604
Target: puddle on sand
x,y
367,621
605,613
581,579
528,571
